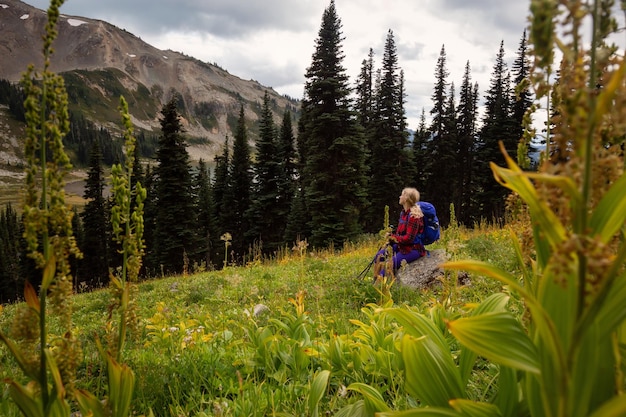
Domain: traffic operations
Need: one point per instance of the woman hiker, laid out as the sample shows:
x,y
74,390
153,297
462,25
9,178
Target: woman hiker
x,y
410,224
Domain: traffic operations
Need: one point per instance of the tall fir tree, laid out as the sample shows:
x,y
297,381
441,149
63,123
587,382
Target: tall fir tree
x,y
447,151
389,156
419,150
498,125
464,198
433,172
241,186
439,96
333,177
365,91
287,172
222,198
264,219
204,213
176,239
522,100
11,279
151,258
96,242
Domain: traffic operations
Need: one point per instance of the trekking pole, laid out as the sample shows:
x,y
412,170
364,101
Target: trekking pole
x,y
367,268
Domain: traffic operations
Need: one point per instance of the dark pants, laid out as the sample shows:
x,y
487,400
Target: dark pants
x,y
398,257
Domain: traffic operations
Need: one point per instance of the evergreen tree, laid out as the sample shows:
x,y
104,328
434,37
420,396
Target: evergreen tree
x,y
222,199
333,176
151,264
439,146
522,97
94,268
389,152
204,212
365,91
447,151
287,172
11,280
439,97
241,182
175,217
264,219
79,234
498,125
296,228
464,199
419,150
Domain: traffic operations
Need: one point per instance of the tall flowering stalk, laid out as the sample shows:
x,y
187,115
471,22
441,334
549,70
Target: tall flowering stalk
x,y
127,223
48,360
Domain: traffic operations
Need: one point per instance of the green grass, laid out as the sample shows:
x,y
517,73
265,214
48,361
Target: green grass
x,y
199,350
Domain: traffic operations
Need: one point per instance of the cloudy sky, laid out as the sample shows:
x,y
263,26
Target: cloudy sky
x,y
272,41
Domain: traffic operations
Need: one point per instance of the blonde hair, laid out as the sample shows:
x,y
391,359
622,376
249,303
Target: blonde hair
x,y
412,197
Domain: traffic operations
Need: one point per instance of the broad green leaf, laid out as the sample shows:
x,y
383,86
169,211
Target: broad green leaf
x,y
417,324
357,409
527,275
27,401
467,358
486,269
557,292
515,179
89,403
609,215
541,319
374,401
475,409
507,398
318,388
593,374
566,184
535,398
495,302
121,382
19,357
58,389
608,301
431,374
500,338
616,407
612,312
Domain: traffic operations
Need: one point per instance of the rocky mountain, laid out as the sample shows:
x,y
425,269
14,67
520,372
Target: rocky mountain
x,y
100,62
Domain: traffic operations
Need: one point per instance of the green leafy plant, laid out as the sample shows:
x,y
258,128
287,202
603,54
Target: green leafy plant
x,y
568,350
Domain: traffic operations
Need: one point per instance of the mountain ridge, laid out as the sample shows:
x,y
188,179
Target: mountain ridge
x,y
101,61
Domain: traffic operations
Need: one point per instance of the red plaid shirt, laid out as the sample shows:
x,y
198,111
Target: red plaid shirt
x,y
408,227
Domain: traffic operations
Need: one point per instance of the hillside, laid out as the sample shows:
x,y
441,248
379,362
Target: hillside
x,y
100,62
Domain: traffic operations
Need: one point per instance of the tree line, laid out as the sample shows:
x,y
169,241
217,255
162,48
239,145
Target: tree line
x,y
83,132
325,181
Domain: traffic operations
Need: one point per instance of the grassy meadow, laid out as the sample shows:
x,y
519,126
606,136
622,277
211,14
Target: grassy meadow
x,y
252,340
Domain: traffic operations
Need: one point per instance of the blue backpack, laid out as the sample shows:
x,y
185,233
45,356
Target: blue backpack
x,y
431,224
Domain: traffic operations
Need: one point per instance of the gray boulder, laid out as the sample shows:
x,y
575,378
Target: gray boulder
x,y
426,271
